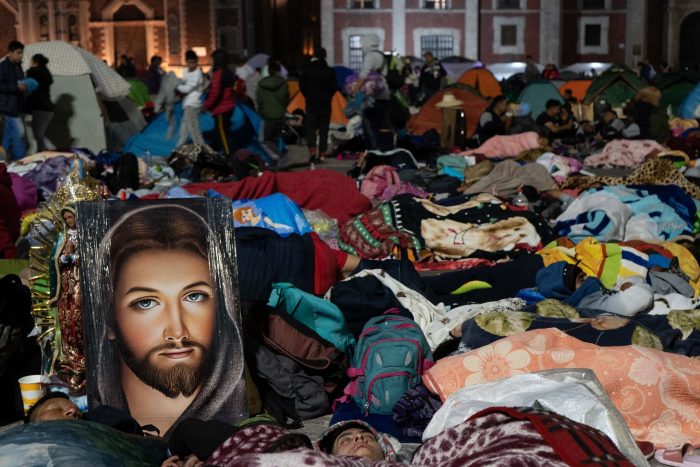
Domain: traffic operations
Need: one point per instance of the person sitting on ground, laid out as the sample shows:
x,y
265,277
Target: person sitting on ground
x,y
569,96
494,120
566,119
357,438
509,145
548,120
610,127
652,120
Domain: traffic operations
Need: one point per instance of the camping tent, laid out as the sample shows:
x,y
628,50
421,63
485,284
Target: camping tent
x,y
456,66
341,74
507,69
84,88
337,107
482,80
584,69
617,85
430,116
675,87
578,87
690,108
537,94
245,128
139,92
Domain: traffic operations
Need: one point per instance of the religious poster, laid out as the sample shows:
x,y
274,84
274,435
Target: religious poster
x,y
161,310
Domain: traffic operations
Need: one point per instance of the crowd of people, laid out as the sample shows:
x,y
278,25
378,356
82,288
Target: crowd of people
x,y
538,271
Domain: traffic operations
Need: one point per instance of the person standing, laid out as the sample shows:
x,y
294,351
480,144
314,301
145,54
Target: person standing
x,y
220,101
318,85
431,75
191,87
272,100
374,121
155,74
39,103
12,93
531,70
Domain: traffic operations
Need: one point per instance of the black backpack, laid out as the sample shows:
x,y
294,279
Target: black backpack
x,y
394,78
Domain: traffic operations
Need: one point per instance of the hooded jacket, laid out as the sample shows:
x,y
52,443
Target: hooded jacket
x,y
9,216
318,84
550,283
272,97
41,98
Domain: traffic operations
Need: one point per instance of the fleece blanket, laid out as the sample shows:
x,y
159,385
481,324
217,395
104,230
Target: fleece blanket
x,y
623,153
657,393
506,145
333,193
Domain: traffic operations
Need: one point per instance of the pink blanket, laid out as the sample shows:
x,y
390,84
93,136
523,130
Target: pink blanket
x,y
507,145
623,153
658,393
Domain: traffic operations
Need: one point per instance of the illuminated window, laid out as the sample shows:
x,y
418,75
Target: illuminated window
x,y
355,56
436,4
440,45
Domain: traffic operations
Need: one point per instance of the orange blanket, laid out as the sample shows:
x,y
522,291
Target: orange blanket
x,y
658,393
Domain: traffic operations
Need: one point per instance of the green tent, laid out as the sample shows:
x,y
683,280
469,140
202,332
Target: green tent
x,y
616,85
537,94
675,87
139,92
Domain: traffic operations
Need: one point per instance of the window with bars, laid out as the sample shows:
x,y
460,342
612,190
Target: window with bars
x,y
441,45
592,35
436,4
593,4
509,35
362,4
355,52
508,4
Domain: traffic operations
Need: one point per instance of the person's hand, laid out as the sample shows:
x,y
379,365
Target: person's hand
x,y
22,87
70,247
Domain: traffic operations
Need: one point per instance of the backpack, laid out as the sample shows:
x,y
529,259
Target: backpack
x,y
394,78
391,356
320,315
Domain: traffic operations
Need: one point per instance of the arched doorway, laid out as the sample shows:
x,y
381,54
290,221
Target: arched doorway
x,y
130,37
689,40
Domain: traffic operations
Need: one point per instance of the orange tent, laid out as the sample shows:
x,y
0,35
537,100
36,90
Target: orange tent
x,y
578,88
430,116
293,86
337,107
482,80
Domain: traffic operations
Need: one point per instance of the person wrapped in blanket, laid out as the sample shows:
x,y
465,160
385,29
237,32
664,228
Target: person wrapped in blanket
x,y
569,284
494,436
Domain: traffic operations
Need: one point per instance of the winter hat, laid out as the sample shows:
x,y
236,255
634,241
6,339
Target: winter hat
x,y
387,443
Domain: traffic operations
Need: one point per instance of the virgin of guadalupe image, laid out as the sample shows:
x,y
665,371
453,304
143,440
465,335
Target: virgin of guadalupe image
x,y
65,293
164,341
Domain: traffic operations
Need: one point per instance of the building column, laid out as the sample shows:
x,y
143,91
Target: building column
x,y
150,41
673,30
24,22
636,32
471,29
550,32
327,31
398,27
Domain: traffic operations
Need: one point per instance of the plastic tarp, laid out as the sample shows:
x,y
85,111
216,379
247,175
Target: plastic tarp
x,y
617,85
430,117
338,104
578,88
537,94
245,124
573,393
482,80
689,107
507,69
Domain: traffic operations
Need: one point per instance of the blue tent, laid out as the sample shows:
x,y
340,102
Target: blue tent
x,y
689,107
341,74
246,125
537,94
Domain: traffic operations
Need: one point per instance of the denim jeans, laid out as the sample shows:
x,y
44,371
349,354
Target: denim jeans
x,y
13,138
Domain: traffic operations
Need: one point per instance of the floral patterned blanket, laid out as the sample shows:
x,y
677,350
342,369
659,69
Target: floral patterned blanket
x,y
658,393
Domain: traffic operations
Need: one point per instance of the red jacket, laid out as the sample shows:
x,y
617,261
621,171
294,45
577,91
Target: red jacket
x,y
9,216
220,100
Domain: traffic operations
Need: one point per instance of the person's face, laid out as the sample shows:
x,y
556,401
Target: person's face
x,y
164,314
191,65
16,56
358,442
553,110
428,58
69,219
56,409
501,107
608,117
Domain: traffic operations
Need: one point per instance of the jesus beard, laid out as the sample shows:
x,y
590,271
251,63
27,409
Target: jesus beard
x,y
182,378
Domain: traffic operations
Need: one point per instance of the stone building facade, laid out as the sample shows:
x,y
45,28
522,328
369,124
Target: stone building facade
x,y
137,28
551,31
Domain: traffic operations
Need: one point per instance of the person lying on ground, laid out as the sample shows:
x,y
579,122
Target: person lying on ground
x,y
509,145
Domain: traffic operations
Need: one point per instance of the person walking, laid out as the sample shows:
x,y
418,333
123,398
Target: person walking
x,y
318,85
220,101
272,100
39,104
431,76
191,87
12,92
